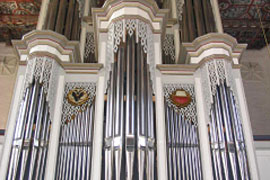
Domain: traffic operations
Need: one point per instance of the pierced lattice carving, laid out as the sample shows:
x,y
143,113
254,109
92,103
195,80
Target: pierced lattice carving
x,y
89,45
117,34
214,73
189,111
179,8
168,46
70,111
45,70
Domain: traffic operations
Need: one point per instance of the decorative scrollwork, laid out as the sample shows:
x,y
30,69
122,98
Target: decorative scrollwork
x,y
89,45
214,73
179,8
168,46
39,69
131,26
45,71
188,111
71,110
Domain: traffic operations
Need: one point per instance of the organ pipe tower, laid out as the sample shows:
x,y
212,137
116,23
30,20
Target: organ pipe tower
x,y
129,89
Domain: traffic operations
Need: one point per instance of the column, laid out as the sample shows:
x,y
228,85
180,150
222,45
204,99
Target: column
x,y
17,95
43,14
84,28
203,131
251,153
177,42
55,131
160,116
99,114
98,130
216,13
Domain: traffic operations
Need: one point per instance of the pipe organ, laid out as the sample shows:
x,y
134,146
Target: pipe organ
x,y
183,151
75,143
225,127
129,146
129,100
30,141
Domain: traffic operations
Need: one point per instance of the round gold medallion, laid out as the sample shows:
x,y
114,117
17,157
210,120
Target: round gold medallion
x,y
77,96
181,98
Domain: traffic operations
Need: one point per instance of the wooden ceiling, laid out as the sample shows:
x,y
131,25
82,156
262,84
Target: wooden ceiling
x,y
17,17
241,19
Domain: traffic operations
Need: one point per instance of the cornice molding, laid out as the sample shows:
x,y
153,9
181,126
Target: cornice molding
x,y
59,43
107,12
226,44
76,68
189,69
115,10
82,68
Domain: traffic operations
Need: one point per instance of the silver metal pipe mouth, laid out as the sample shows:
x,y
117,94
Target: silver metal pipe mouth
x,y
183,149
129,143
229,159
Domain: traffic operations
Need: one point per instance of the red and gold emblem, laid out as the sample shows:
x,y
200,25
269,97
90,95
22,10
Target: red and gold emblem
x,y
181,98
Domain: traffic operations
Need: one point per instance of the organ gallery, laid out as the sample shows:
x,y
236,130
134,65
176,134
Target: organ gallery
x,y
128,89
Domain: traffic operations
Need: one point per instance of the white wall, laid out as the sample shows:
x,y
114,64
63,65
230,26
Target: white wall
x,y
256,79
263,158
1,145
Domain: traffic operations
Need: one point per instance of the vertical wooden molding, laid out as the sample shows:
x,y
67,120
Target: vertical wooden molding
x,y
69,18
61,16
217,17
43,14
52,15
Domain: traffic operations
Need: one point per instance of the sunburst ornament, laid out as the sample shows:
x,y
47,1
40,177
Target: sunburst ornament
x,y
8,65
77,97
180,98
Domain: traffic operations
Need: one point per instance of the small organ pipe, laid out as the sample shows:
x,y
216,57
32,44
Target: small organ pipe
x,y
183,147
74,159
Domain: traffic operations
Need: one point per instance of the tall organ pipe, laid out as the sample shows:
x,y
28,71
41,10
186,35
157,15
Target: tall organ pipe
x,y
226,137
129,145
29,148
198,19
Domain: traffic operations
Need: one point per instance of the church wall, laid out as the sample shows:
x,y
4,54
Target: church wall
x,y
8,68
256,80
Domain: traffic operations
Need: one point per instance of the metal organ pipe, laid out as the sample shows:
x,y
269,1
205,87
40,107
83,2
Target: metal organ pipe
x,y
130,110
129,145
226,137
183,153
75,150
29,150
